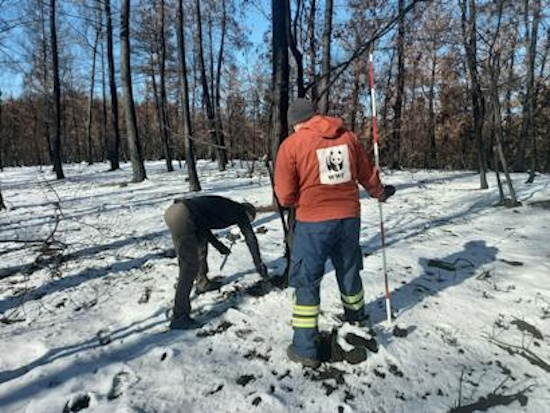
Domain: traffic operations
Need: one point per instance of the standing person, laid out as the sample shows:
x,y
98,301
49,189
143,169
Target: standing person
x,y
190,221
317,171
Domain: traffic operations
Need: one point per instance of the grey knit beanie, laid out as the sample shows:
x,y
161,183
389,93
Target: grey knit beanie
x,y
299,111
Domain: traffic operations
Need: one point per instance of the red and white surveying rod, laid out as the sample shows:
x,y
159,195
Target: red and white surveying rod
x,y
377,164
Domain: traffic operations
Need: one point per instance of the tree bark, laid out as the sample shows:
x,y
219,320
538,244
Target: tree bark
x,y
325,63
313,52
89,146
217,94
134,145
398,105
205,92
298,56
114,140
432,143
46,102
165,122
104,139
56,139
280,77
469,31
194,184
531,93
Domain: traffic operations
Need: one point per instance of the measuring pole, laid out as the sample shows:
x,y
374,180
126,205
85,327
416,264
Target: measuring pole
x,y
377,165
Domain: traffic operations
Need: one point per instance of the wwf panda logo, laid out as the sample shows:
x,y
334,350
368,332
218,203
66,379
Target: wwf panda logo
x,y
335,160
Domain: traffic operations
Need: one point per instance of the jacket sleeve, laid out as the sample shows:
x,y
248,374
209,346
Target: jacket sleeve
x,y
211,238
286,183
367,175
252,243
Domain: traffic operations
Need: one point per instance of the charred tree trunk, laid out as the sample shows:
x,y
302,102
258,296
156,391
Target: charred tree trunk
x,y
205,92
217,94
113,140
166,138
194,184
469,31
134,145
56,139
387,94
280,77
325,63
531,94
400,87
313,52
104,139
89,146
298,56
432,143
357,70
46,99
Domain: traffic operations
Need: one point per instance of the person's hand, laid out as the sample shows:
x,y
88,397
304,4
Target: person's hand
x,y
262,270
224,250
389,190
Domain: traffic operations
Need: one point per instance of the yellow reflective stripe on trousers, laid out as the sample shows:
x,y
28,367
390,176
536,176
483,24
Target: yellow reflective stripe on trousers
x,y
304,322
357,306
354,302
306,310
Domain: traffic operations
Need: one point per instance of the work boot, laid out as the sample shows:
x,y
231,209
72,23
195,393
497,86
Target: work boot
x,y
184,322
204,285
304,361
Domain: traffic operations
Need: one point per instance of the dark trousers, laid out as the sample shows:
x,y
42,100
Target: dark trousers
x,y
314,243
191,249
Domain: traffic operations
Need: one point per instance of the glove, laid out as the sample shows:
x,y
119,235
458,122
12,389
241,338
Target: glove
x,y
224,250
262,270
389,190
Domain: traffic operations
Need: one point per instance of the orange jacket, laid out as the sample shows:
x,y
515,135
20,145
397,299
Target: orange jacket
x,y
318,168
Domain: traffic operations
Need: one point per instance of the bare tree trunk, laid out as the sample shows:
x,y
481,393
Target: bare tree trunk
x,y
114,141
134,145
104,139
355,95
194,184
280,79
469,31
494,68
205,93
507,137
387,94
56,141
89,151
46,102
166,138
502,198
160,118
217,94
531,94
398,105
298,57
325,63
432,144
313,52
498,134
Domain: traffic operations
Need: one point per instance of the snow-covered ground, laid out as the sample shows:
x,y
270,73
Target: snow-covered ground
x,y
84,314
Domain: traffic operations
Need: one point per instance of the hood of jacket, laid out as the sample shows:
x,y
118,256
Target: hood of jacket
x,y
326,126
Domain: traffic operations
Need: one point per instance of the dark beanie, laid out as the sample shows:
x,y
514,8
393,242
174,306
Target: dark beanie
x,y
299,111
